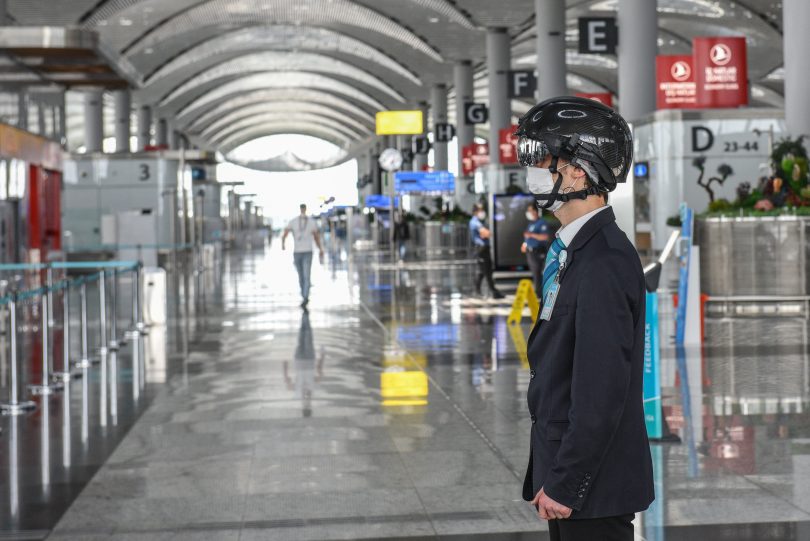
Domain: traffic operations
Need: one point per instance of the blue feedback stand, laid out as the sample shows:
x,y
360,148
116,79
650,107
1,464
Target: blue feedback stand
x,y
652,377
683,282
407,182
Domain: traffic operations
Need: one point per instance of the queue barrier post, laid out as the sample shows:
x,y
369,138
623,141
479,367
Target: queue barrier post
x,y
114,345
102,312
65,375
14,406
49,284
46,387
84,362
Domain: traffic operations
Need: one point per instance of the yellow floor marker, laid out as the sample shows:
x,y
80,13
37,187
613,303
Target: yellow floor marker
x,y
525,295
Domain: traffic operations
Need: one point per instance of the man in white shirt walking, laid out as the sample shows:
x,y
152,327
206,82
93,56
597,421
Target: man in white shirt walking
x,y
305,232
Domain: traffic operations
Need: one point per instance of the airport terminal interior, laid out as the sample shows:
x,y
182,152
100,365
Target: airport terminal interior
x,y
266,266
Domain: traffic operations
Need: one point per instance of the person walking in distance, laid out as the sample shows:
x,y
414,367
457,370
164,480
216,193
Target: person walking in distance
x,y
305,233
590,468
535,245
480,234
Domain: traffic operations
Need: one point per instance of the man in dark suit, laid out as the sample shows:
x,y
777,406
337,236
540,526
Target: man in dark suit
x,y
589,469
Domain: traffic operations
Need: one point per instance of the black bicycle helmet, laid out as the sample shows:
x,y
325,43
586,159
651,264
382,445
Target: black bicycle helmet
x,y
582,131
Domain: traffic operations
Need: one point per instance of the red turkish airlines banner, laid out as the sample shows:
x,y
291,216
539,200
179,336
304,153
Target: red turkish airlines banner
x,y
605,98
721,71
675,82
472,157
507,146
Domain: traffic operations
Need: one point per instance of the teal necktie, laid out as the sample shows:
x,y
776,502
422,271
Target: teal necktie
x,y
552,264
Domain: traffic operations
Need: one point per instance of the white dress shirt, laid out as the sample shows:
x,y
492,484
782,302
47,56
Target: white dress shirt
x,y
567,233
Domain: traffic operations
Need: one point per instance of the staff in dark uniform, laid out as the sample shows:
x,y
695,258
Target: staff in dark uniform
x,y
535,245
480,233
590,468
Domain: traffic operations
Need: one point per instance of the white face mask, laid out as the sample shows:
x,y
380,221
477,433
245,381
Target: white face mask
x,y
481,215
531,217
541,181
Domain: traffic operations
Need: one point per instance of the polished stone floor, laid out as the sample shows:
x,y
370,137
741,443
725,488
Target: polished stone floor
x,y
393,409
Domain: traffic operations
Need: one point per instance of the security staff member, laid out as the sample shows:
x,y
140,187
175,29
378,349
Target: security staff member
x,y
536,245
480,234
589,468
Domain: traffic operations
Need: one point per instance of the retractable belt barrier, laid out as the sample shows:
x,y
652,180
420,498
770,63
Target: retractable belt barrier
x,y
105,271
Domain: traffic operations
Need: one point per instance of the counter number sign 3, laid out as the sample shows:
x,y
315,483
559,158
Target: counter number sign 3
x,y
391,159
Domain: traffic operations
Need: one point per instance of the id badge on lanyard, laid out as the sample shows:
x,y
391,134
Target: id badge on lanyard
x,y
554,289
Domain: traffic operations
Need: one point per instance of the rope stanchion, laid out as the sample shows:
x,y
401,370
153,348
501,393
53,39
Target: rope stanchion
x,y
65,375
102,313
84,362
14,406
46,386
114,345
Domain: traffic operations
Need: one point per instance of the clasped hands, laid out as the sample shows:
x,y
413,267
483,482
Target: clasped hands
x,y
548,509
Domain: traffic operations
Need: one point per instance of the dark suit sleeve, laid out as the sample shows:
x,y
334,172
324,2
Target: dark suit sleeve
x,y
604,330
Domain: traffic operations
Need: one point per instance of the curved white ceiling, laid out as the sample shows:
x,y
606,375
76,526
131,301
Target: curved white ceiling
x,y
280,38
233,14
283,107
270,96
261,81
276,117
275,61
288,127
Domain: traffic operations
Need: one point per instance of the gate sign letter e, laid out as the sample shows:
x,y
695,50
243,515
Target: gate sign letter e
x,y
597,35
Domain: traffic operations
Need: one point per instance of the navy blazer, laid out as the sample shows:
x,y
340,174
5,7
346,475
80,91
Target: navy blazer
x,y
589,447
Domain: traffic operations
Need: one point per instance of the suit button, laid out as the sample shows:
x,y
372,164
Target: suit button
x,y
532,374
534,419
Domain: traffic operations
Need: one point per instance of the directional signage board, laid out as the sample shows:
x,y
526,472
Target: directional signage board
x,y
476,113
443,132
421,145
721,71
380,201
424,182
675,79
522,84
598,35
400,122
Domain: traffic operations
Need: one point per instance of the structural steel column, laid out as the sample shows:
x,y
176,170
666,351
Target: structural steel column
x,y
162,133
3,14
93,120
638,45
123,122
796,13
438,103
551,69
500,109
421,160
22,110
144,127
463,81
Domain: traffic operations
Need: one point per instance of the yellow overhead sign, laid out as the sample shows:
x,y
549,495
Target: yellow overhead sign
x,y
400,123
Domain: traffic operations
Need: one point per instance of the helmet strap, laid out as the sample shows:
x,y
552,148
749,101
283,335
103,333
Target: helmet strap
x,y
545,201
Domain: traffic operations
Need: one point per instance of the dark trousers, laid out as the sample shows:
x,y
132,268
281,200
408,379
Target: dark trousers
x,y
484,269
537,263
594,529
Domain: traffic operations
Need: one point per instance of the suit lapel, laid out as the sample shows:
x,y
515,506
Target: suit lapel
x,y
600,220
